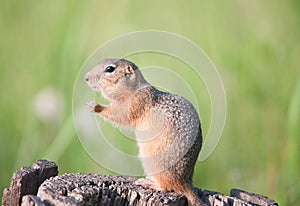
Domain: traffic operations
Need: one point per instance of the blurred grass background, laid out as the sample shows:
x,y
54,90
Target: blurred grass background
x,y
254,45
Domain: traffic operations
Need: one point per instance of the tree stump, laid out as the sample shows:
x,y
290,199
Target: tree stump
x,y
39,186
27,181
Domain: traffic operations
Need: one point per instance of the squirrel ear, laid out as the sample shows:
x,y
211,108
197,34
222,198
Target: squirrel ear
x,y
129,70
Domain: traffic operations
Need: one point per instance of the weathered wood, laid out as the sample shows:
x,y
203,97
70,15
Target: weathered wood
x,y
32,200
252,198
27,181
96,189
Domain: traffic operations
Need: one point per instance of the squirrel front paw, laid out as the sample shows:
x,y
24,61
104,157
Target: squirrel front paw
x,y
94,107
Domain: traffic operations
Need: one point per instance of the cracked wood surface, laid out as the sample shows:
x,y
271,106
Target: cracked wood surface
x,y
39,185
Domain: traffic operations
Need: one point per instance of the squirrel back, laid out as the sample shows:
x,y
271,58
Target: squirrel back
x,y
167,126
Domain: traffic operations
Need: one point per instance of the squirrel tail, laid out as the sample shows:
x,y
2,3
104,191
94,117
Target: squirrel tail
x,y
192,197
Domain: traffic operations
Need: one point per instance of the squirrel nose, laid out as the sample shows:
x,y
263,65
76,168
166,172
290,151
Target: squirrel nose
x,y
86,77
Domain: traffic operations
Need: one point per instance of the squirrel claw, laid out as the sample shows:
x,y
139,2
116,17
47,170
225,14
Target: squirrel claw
x,y
94,107
146,183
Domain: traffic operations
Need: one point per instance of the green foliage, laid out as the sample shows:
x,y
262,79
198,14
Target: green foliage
x,y
254,45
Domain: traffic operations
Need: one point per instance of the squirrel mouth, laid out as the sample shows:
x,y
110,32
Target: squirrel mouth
x,y
93,86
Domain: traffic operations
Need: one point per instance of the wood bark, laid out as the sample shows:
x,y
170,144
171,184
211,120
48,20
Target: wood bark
x,y
39,185
27,181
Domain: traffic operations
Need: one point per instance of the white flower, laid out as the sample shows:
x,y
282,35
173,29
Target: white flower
x,y
48,105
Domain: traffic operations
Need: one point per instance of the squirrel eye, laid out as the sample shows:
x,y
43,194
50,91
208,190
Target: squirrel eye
x,y
110,69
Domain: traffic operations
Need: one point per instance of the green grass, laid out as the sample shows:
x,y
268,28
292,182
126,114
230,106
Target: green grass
x,y
254,45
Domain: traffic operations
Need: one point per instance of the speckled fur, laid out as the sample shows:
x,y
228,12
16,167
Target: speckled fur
x,y
167,126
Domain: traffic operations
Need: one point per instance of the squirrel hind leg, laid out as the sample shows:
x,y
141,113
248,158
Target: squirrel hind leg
x,y
179,186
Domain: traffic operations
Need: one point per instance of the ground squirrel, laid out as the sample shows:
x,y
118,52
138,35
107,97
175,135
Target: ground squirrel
x,y
167,126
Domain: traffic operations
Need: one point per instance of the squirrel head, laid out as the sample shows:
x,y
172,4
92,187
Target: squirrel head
x,y
115,79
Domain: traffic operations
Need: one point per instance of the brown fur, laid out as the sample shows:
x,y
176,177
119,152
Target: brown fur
x,y
167,126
